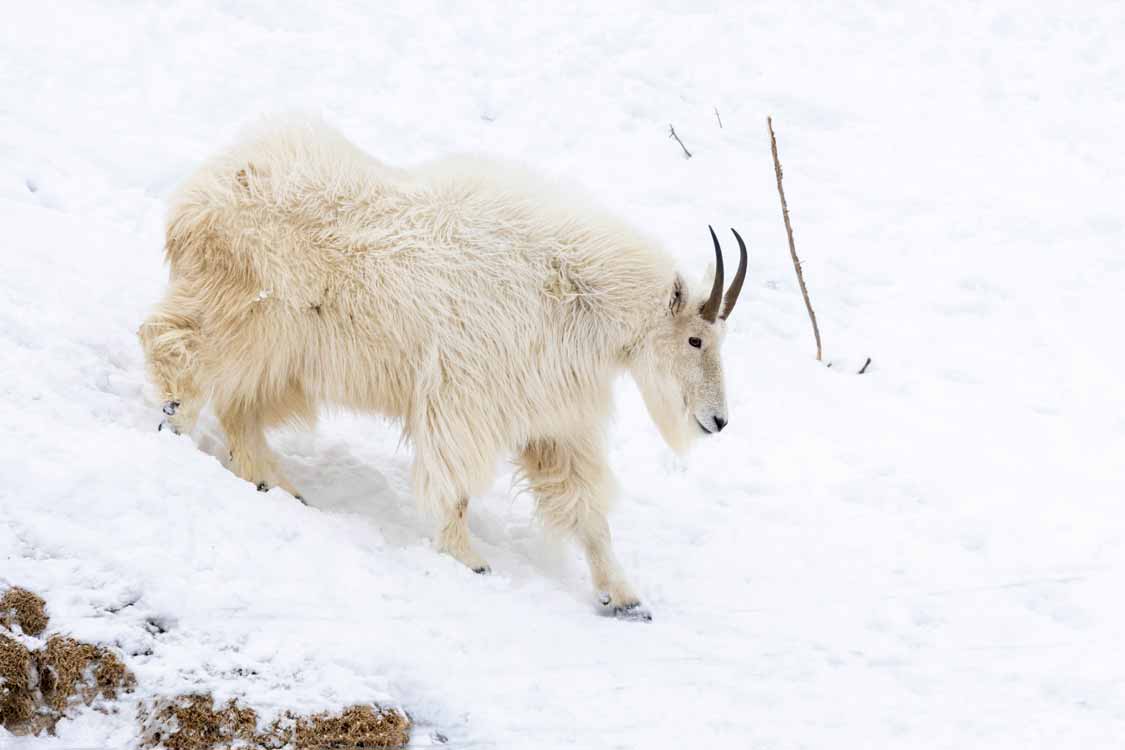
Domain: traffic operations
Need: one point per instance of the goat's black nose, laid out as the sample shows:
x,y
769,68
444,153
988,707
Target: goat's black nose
x,y
720,423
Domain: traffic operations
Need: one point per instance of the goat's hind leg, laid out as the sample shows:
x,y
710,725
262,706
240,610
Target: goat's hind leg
x,y
170,340
455,539
169,409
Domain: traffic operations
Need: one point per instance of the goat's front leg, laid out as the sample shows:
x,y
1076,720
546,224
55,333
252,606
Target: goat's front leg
x,y
443,490
573,487
609,579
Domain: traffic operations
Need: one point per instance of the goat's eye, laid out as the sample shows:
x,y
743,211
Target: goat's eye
x,y
695,342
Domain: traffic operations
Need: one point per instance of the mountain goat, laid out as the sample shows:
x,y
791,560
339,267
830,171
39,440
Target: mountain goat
x,y
484,308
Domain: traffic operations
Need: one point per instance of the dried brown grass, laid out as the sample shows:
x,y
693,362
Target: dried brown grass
x,y
17,706
194,722
21,607
69,668
37,685
191,722
355,726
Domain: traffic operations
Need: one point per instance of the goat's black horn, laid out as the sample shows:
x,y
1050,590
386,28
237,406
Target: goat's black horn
x,y
710,309
739,277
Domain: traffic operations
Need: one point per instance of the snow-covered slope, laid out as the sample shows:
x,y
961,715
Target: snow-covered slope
x,y
928,555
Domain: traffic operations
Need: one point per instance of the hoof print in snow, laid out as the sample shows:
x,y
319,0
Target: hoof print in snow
x,y
634,612
157,625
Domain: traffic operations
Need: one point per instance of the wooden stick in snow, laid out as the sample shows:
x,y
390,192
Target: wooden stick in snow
x,y
672,134
718,118
789,232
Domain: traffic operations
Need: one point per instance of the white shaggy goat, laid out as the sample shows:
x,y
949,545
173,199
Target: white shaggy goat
x,y
485,309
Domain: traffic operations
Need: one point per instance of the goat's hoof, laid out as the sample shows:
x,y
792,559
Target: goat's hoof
x,y
633,612
301,500
263,487
484,570
169,410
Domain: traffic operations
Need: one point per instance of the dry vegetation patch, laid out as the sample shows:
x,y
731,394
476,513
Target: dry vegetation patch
x,y
194,722
17,706
356,726
68,667
21,607
40,680
37,684
191,722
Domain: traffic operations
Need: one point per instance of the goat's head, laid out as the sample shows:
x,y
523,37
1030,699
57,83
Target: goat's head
x,y
680,372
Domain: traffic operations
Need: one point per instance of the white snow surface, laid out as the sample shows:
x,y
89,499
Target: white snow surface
x,y
929,555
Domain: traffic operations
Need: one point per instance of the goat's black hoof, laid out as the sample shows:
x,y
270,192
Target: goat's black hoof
x,y
484,570
263,487
633,612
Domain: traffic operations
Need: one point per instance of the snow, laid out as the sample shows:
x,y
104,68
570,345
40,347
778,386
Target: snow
x,y
928,555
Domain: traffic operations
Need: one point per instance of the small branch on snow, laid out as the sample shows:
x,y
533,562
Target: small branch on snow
x,y
672,134
789,232
718,118
864,368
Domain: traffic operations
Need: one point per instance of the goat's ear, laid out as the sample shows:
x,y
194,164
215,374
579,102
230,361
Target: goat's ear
x,y
678,296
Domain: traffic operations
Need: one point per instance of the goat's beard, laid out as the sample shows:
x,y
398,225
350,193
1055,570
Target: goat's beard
x,y
665,403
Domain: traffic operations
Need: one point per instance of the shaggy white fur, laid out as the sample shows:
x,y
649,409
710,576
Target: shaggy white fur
x,y
484,307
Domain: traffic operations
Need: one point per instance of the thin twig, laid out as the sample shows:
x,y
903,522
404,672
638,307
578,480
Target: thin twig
x,y
718,118
864,368
789,231
672,134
